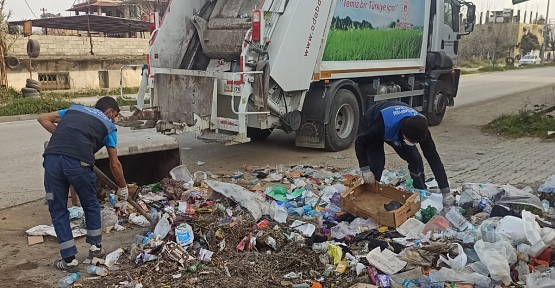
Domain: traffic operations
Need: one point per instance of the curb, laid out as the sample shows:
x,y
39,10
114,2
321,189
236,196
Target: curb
x,y
27,117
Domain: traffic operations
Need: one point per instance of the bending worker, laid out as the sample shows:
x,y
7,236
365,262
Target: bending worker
x,y
68,161
401,127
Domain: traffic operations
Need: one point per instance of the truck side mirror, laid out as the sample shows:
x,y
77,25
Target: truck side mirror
x,y
470,18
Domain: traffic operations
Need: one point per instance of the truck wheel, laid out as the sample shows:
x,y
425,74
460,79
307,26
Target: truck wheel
x,y
257,134
439,106
344,120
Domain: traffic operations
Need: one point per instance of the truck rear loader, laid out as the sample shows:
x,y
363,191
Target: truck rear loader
x,y
233,71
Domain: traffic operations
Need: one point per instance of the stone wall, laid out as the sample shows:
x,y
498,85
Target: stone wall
x,y
72,46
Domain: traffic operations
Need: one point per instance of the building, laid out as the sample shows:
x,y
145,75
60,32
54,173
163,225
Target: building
x,y
523,24
129,9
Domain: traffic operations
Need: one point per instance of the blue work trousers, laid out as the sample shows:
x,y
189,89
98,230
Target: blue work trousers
x,y
59,173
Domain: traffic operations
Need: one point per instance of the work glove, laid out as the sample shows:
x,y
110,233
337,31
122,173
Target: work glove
x,y
448,200
123,193
367,176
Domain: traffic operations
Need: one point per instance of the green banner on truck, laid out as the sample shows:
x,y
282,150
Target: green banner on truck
x,y
519,1
376,30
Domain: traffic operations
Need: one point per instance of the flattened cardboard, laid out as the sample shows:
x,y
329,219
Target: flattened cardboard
x,y
368,201
32,240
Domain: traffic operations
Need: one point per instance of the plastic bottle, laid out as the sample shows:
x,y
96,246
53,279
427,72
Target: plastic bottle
x,y
425,281
485,206
545,205
95,270
69,279
458,220
154,214
404,282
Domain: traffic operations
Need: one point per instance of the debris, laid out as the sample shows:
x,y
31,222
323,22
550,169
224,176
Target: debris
x,y
32,240
385,261
112,258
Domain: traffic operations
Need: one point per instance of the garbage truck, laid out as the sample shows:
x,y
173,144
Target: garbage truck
x,y
232,71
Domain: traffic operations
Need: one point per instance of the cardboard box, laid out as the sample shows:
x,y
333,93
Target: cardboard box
x,y
368,201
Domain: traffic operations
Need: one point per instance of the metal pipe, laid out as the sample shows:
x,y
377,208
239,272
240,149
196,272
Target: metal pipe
x,y
545,33
121,77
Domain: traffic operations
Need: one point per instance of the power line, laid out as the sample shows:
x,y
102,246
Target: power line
x,y
28,6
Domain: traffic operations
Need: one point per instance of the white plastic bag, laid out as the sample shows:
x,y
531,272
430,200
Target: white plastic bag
x,y
449,275
541,280
457,263
497,257
548,186
108,217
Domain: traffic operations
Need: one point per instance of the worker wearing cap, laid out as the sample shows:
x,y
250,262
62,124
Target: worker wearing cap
x,y
401,127
77,134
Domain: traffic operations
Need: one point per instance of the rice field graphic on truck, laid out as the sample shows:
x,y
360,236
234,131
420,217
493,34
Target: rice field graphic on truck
x,y
376,30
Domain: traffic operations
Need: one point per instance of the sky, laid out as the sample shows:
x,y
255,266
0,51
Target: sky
x,y
381,19
21,11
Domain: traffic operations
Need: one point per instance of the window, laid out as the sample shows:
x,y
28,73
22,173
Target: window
x,y
54,81
448,18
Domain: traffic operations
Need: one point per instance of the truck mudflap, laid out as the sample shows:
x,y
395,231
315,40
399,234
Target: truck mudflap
x,y
146,156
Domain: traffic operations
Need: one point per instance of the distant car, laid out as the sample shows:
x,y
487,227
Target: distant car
x,y
529,60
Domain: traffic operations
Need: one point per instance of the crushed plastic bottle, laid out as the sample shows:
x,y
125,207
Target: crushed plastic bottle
x,y
69,279
95,270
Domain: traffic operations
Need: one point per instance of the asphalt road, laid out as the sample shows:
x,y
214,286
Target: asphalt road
x,y
22,142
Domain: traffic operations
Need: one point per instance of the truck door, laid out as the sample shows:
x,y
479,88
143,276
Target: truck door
x,y
446,28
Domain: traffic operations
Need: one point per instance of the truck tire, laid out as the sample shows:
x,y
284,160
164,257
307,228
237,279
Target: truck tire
x,y
257,134
33,48
344,119
439,105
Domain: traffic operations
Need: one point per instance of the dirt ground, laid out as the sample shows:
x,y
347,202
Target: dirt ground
x,y
458,138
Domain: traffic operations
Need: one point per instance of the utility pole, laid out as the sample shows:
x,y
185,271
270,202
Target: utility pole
x,y
545,34
44,17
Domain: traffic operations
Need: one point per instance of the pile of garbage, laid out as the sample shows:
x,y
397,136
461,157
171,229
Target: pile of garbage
x,y
290,228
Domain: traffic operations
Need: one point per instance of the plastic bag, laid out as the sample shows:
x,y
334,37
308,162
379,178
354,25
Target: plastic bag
x,y
457,263
473,193
541,280
497,257
358,223
340,230
548,186
436,224
108,217
449,275
516,196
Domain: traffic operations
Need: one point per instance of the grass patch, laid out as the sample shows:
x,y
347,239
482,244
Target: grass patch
x,y
466,72
372,44
20,106
525,123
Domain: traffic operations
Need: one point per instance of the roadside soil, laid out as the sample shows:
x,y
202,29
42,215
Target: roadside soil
x,y
458,138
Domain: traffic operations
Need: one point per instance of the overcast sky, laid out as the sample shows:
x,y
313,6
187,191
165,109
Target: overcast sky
x,y
21,11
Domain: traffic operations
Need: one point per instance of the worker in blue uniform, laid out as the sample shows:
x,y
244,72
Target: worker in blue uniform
x,y
401,127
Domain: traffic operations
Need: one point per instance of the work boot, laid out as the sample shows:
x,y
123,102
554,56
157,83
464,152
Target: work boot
x,y
448,200
95,251
70,267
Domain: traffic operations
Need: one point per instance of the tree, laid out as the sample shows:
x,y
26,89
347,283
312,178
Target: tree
x,y
5,42
550,36
529,43
502,37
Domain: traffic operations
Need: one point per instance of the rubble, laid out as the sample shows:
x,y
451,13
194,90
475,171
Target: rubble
x,y
291,230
